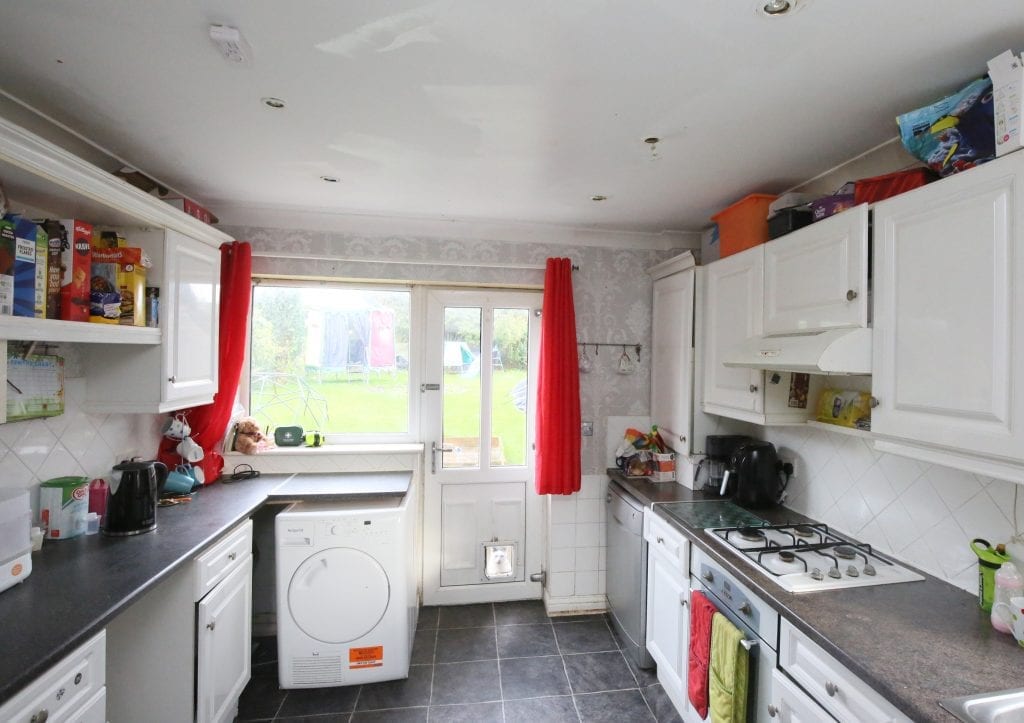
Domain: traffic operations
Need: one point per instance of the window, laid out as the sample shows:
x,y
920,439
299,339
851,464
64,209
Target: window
x,y
331,358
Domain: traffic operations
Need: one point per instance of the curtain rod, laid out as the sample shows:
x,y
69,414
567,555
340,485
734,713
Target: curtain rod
x,y
402,262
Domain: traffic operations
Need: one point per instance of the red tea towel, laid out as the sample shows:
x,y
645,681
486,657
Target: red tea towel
x,y
702,611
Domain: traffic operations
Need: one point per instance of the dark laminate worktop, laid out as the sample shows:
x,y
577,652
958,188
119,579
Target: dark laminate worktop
x,y
916,643
77,586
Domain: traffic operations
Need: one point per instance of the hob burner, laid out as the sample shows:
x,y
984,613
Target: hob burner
x,y
751,534
844,552
787,556
803,531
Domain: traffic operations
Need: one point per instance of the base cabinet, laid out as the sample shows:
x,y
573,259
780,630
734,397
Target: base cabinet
x,y
789,704
186,643
668,605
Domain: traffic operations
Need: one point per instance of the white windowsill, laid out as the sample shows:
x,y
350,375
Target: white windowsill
x,y
387,448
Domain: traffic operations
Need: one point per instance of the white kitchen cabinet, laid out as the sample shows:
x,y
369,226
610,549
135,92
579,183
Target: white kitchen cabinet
x,y
949,329
830,683
72,690
816,277
128,368
668,605
200,650
672,352
789,704
731,313
182,371
224,635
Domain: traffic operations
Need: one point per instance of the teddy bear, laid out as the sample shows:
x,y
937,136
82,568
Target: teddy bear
x,y
248,437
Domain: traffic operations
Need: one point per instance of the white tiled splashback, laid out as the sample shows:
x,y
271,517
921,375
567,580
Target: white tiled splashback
x,y
577,551
74,443
922,513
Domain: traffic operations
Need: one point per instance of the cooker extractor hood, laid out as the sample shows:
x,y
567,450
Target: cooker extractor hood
x,y
833,351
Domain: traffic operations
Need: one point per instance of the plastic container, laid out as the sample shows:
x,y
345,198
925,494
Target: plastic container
x,y
744,224
788,220
990,559
92,523
98,496
879,188
63,504
1008,584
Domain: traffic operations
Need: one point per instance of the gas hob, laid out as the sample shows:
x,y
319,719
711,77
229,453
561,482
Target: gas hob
x,y
811,557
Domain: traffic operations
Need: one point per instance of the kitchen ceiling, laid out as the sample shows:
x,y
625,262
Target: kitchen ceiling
x,y
479,110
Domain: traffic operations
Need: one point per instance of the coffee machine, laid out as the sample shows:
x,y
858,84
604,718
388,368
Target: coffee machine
x,y
719,449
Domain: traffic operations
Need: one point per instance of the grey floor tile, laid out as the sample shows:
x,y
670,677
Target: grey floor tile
x,y
395,715
541,710
459,645
533,677
475,682
520,612
260,699
329,718
423,646
428,617
644,676
662,706
623,705
412,691
264,650
520,641
596,672
585,618
589,637
467,616
468,713
312,701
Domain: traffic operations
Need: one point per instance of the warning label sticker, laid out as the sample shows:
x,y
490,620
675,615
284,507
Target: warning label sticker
x,y
372,657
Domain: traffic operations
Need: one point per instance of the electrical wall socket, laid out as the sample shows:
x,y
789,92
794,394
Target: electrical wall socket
x,y
587,429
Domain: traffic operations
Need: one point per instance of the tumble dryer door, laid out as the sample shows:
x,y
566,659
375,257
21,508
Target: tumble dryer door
x,y
338,595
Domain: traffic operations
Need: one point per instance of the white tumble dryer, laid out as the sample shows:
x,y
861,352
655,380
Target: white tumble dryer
x,y
346,591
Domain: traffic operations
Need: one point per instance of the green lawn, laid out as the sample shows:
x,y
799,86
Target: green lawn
x,y
378,403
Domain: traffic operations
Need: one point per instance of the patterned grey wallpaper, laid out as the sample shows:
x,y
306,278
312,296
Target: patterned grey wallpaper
x,y
612,295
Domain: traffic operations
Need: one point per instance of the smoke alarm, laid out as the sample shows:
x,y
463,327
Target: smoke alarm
x,y
231,44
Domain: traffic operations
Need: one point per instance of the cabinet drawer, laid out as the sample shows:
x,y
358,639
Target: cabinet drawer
x,y
838,690
664,539
94,711
64,691
217,563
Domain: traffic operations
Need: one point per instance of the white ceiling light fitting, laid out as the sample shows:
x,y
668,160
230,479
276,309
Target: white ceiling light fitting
x,y
329,179
777,7
772,9
598,197
231,44
271,102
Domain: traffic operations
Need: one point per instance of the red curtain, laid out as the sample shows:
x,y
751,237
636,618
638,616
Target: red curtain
x,y
558,386
211,420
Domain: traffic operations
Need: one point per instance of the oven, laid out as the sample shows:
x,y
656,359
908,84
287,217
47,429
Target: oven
x,y
758,621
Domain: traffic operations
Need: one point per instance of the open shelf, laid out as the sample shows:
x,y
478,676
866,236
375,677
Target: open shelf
x,y
848,431
23,328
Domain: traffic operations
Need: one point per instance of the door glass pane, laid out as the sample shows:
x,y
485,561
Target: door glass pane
x,y
509,391
461,392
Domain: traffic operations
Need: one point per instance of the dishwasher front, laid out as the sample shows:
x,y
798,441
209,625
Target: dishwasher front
x,y
627,572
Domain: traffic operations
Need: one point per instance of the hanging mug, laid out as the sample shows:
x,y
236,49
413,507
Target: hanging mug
x,y
189,450
176,427
626,363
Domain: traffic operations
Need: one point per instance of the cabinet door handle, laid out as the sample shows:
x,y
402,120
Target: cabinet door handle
x,y
40,717
772,711
661,540
851,295
172,380
753,388
874,402
211,625
232,555
831,688
682,599
682,438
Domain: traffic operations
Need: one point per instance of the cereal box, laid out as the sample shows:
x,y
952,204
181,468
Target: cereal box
x,y
6,268
24,266
75,262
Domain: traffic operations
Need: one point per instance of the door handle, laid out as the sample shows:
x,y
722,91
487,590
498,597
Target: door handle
x,y
434,449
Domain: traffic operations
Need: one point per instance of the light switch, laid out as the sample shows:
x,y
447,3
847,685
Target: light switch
x,y
587,429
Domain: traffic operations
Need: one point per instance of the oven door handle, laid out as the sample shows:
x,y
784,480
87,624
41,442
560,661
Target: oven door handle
x,y
748,644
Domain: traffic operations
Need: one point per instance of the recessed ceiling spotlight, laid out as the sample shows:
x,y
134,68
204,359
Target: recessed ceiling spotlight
x,y
598,197
329,179
777,7
651,140
275,103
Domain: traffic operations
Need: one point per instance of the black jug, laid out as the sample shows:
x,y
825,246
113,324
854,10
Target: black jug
x,y
132,497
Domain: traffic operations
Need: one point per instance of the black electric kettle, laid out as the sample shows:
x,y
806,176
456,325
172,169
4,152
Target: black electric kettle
x,y
752,479
132,497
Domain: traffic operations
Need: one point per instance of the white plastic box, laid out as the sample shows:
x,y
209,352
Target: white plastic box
x,y
1007,73
15,541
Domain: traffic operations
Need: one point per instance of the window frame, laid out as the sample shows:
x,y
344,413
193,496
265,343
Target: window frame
x,y
416,331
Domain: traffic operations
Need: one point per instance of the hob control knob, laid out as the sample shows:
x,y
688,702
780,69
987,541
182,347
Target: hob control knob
x,y
831,688
746,609
816,574
709,576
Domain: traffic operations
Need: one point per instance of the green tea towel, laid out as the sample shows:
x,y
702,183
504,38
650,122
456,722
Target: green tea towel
x,y
730,666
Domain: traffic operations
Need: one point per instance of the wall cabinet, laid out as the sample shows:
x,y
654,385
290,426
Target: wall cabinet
x,y
672,352
668,608
182,371
129,368
816,278
949,327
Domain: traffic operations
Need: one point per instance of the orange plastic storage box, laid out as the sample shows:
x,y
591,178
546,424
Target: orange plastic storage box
x,y
744,224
